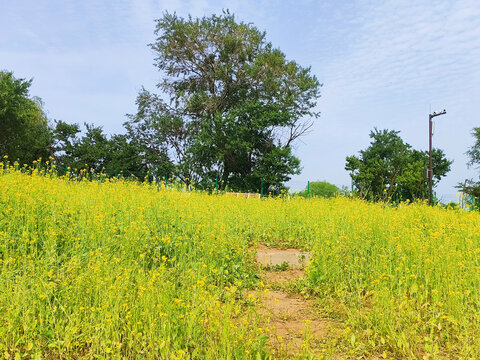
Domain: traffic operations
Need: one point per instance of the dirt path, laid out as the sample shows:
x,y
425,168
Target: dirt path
x,y
297,329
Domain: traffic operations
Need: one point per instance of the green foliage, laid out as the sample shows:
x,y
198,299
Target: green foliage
x,y
234,104
451,205
282,267
117,155
474,152
471,188
321,188
390,168
24,131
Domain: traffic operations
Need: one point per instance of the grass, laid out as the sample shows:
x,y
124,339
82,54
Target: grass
x,y
118,269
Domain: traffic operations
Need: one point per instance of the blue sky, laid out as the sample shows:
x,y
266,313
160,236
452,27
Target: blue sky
x,y
383,64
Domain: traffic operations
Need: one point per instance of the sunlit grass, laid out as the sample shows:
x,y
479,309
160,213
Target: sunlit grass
x,y
118,269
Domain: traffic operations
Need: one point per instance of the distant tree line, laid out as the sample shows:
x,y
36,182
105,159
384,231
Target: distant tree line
x,y
389,169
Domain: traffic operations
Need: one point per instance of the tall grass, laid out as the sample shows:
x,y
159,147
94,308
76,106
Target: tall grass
x,y
119,269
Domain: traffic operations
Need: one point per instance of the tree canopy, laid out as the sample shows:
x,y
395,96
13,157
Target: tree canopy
x,y
117,155
24,131
471,186
474,151
230,104
389,167
321,188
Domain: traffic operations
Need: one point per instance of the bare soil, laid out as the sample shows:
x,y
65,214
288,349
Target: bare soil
x,y
298,329
281,278
293,321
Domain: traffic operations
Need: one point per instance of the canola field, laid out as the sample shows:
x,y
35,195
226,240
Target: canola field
x,y
118,269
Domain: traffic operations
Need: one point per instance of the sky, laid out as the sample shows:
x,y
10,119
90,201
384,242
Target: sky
x,y
384,64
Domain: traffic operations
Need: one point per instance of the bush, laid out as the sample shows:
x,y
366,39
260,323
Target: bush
x,y
322,189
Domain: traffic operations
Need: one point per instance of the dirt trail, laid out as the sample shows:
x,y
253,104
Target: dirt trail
x,y
296,326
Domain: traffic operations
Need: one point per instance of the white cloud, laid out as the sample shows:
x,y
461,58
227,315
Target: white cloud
x,y
405,48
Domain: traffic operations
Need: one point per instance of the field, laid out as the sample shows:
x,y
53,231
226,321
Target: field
x,y
118,269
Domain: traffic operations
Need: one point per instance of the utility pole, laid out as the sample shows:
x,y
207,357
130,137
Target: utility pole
x,y
430,166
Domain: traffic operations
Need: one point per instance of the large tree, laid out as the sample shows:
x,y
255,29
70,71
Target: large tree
x,y
24,131
230,104
390,168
